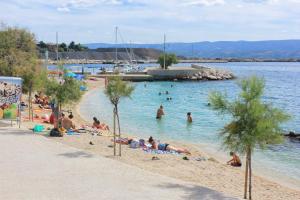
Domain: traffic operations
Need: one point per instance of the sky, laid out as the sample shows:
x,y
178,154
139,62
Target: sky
x,y
146,21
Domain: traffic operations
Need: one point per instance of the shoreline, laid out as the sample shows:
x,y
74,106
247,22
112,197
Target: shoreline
x,y
211,152
212,173
198,150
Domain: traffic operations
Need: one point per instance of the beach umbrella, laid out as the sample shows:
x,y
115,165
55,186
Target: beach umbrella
x,y
70,74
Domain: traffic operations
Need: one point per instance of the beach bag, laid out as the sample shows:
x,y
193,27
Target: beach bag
x,y
134,144
38,128
55,133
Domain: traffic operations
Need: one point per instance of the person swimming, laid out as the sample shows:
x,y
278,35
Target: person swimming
x,y
166,147
189,117
159,93
167,92
160,112
235,161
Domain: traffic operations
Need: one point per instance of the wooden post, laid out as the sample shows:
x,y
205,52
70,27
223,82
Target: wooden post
x,y
250,176
246,177
114,131
119,135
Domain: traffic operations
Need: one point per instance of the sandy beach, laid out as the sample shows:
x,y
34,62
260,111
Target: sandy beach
x,y
211,173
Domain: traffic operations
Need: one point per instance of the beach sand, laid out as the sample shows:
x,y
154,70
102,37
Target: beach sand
x,y
212,173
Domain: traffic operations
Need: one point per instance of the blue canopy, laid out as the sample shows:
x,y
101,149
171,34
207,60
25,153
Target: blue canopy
x,y
79,77
70,74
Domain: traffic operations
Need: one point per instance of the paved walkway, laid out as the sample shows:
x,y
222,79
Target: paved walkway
x,y
35,167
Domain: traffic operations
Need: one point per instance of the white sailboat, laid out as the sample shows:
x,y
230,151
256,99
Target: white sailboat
x,y
121,67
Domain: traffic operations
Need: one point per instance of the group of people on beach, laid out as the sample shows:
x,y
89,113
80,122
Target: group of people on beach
x,y
235,161
153,144
42,100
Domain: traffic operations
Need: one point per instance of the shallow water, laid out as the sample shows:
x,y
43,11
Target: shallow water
x,y
138,113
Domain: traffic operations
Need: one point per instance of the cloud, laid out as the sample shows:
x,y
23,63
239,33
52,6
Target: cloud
x,y
63,9
203,2
147,20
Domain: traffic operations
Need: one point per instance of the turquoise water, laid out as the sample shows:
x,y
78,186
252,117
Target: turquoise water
x,y
138,113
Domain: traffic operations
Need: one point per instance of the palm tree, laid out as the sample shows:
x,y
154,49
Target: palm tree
x,y
115,90
254,123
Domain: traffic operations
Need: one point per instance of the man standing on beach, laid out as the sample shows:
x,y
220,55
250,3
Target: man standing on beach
x,y
160,112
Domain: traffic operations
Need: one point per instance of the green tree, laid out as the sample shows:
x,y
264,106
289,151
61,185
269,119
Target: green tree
x,y
34,79
42,45
18,57
17,49
115,90
72,45
254,123
167,60
63,92
63,47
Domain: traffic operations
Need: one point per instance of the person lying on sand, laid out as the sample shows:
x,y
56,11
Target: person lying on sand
x,y
125,141
98,125
166,147
235,161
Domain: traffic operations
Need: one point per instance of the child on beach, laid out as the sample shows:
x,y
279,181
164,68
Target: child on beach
x,y
235,161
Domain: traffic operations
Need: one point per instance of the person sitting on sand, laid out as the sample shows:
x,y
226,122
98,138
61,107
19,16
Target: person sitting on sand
x,y
166,147
96,122
67,122
160,112
235,161
98,125
189,117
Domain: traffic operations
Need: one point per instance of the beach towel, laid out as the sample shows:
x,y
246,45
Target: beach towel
x,y
155,151
70,132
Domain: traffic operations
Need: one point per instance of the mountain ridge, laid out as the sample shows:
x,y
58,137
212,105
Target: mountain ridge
x,y
265,49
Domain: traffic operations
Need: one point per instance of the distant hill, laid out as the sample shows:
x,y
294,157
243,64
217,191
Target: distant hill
x,y
108,54
272,49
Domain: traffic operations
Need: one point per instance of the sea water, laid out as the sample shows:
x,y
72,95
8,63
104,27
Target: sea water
x,y
138,112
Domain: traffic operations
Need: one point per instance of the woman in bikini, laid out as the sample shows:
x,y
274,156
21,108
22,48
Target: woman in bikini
x,y
166,147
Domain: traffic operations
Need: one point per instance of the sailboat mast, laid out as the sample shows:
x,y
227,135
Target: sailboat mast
x,y
164,51
57,46
116,42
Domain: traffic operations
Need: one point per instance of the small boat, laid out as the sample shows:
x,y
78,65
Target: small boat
x,y
126,68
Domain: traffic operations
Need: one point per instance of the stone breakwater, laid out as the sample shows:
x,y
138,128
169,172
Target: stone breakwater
x,y
207,73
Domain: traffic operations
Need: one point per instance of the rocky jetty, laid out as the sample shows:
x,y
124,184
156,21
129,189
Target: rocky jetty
x,y
207,73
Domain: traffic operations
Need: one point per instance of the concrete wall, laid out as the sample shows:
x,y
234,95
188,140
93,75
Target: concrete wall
x,y
172,73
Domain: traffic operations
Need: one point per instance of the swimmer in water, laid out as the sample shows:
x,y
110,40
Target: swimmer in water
x,y
189,117
160,112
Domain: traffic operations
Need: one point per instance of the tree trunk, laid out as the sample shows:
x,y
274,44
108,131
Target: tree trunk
x,y
250,176
114,113
29,104
56,115
119,128
246,176
30,109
